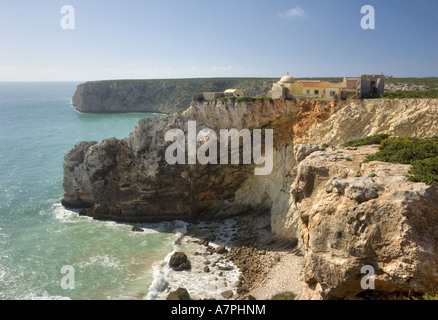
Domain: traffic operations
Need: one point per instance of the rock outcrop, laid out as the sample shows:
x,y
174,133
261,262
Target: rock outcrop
x,y
361,118
355,215
130,180
342,214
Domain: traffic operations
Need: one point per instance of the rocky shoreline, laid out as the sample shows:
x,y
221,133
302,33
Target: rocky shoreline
x,y
250,251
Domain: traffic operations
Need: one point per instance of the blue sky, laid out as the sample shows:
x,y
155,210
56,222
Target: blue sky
x,y
223,38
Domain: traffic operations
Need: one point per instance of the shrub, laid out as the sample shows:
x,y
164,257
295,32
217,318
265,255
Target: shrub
x,y
422,154
411,94
424,297
405,150
430,297
376,139
253,99
227,98
425,170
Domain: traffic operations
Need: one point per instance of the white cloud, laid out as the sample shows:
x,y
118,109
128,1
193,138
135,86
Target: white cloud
x,y
295,12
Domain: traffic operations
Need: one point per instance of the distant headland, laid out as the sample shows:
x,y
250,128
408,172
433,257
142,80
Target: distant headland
x,y
168,96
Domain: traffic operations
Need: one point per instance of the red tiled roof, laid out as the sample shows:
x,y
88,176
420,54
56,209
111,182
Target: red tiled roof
x,y
315,83
321,84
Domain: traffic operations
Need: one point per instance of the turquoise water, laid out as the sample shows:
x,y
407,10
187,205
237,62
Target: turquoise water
x,y
38,236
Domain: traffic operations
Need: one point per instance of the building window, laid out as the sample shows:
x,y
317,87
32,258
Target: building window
x,y
308,91
332,93
316,91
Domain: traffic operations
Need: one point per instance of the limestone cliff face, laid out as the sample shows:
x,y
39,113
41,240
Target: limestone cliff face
x,y
130,180
125,96
155,96
399,117
355,215
342,214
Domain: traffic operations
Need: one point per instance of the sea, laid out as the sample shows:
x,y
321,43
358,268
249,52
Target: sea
x,y
48,252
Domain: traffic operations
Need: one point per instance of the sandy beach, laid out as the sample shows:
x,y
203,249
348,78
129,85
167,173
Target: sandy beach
x,y
267,269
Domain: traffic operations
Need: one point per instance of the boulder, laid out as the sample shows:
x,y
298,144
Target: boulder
x,y
227,294
179,262
221,249
137,229
179,294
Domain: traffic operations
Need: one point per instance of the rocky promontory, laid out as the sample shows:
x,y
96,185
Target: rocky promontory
x,y
164,96
342,215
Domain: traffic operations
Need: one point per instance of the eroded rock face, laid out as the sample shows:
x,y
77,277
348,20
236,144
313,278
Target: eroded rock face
x,y
361,118
130,180
356,215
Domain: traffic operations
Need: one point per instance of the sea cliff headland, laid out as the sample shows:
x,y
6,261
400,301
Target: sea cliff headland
x,y
163,96
337,229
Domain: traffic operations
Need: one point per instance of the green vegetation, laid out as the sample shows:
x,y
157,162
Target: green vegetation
x,y
253,99
430,82
376,139
243,99
406,150
226,98
284,296
424,297
411,94
422,154
425,171
430,297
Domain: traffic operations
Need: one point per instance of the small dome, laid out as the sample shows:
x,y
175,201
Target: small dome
x,y
287,79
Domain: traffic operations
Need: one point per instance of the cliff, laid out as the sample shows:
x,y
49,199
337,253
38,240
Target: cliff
x,y
321,201
358,214
156,96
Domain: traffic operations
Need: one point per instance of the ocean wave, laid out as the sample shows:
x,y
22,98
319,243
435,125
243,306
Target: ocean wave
x,y
105,261
159,282
161,269
2,275
65,215
42,296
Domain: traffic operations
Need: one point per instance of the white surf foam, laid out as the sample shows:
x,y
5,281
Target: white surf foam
x,y
43,296
161,269
198,283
